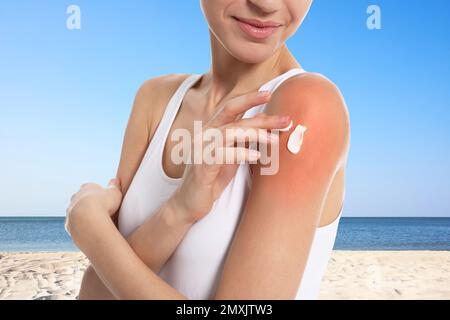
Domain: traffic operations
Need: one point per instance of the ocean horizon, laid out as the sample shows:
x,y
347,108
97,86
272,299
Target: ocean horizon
x,y
47,234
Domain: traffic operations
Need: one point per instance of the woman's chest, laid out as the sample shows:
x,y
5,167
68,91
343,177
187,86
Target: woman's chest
x,y
187,126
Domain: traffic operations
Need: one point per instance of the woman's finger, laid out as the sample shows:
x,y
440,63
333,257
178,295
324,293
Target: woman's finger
x,y
115,192
114,183
251,135
235,155
269,122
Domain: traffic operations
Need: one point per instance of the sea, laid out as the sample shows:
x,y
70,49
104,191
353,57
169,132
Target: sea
x,y
40,234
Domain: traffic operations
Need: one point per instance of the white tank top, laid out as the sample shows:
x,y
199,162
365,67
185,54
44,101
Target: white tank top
x,y
196,265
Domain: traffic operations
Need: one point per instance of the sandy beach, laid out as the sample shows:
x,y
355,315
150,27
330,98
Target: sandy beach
x,y
389,275
350,275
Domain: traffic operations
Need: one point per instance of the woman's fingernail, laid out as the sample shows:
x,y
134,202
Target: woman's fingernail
x,y
113,183
288,128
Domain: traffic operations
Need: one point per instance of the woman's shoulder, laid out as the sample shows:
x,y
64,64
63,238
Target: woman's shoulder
x,y
148,108
313,94
154,94
313,99
161,87
309,86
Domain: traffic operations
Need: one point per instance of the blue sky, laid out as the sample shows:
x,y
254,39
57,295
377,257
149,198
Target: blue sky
x,y
65,95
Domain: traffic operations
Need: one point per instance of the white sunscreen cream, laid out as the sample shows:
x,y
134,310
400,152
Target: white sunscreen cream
x,y
296,139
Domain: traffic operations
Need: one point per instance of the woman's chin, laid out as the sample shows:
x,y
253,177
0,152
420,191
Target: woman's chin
x,y
252,53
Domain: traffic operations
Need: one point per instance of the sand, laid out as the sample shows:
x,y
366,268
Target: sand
x,y
350,275
390,275
52,276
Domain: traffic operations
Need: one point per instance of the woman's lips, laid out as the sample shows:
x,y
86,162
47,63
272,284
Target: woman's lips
x,y
257,29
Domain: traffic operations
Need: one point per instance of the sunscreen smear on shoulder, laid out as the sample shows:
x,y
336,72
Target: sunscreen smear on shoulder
x,y
296,139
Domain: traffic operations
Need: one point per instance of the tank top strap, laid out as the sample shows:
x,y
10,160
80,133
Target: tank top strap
x,y
273,84
170,112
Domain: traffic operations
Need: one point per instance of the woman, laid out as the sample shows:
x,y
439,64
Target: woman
x,y
223,230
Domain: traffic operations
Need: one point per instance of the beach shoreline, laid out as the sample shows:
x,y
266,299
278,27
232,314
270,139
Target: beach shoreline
x,y
351,275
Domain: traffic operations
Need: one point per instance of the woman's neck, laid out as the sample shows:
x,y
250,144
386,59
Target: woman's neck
x,y
230,77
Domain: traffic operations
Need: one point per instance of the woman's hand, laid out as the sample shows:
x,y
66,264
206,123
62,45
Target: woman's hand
x,y
204,183
92,201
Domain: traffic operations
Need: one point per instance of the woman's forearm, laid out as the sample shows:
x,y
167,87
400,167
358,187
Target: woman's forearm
x,y
115,262
153,243
156,239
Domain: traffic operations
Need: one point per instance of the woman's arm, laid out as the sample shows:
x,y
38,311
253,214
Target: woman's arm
x,y
272,243
156,240
271,246
148,108
124,274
